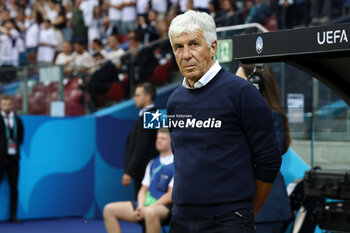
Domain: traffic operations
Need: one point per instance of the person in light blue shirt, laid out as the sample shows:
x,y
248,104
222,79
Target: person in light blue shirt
x,y
154,204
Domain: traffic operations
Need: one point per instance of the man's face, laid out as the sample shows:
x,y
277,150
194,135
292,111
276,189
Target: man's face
x,y
140,97
163,142
193,56
67,48
6,105
152,16
131,39
79,48
112,42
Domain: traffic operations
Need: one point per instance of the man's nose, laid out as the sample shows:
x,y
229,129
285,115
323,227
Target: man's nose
x,y
186,53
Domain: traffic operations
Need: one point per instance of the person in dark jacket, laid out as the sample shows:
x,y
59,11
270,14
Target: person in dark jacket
x,y
226,154
11,137
105,75
140,144
275,214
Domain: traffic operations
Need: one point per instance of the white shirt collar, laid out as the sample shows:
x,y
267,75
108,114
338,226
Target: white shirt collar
x,y
10,116
8,120
145,109
167,159
206,77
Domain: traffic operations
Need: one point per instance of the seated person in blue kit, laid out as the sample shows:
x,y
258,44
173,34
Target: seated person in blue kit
x,y
154,204
276,212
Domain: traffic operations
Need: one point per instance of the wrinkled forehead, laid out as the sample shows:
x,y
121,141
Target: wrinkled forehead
x,y
188,36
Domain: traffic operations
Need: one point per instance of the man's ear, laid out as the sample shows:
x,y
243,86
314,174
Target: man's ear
x,y
149,98
213,48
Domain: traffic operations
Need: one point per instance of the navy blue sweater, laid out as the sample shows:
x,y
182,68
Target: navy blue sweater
x,y
216,168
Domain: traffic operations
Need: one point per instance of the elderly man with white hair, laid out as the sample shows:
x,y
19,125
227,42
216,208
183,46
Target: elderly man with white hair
x,y
226,154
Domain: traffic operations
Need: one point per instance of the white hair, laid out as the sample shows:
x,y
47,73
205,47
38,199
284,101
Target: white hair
x,y
192,21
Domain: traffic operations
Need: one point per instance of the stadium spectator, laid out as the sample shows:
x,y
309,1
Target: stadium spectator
x,y
59,23
11,137
140,145
47,43
97,47
150,32
128,16
87,8
114,53
215,10
162,28
108,29
231,15
258,13
153,206
18,46
189,5
301,15
50,10
183,6
4,16
284,14
104,76
142,7
201,5
143,60
32,37
95,31
82,60
65,58
79,30
159,6
8,45
67,31
21,22
173,12
6,54
135,41
115,12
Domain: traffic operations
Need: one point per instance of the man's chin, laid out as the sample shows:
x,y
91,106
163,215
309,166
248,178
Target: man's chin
x,y
192,75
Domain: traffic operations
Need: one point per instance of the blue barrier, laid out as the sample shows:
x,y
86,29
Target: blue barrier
x,y
293,166
72,166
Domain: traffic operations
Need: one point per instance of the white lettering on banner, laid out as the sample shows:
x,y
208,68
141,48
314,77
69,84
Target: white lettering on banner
x,y
332,37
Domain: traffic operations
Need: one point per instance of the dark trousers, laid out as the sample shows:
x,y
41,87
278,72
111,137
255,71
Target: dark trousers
x,y
239,221
271,227
11,167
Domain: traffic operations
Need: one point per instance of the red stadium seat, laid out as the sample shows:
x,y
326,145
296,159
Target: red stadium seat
x,y
115,92
160,73
123,38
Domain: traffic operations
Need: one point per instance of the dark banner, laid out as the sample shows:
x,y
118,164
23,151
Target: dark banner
x,y
296,42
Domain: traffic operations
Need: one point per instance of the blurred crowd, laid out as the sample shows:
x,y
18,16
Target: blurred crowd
x,y
83,34
39,30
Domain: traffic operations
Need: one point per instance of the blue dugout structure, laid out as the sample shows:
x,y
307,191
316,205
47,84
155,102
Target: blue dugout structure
x,y
72,166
